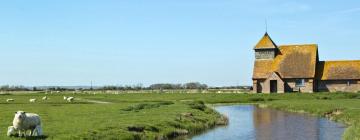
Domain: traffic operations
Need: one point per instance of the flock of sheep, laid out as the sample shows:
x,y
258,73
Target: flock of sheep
x,y
69,99
24,122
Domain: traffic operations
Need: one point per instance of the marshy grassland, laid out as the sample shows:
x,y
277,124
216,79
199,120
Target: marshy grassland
x,y
163,116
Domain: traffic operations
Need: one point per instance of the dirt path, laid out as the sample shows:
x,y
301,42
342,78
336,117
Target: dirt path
x,y
94,101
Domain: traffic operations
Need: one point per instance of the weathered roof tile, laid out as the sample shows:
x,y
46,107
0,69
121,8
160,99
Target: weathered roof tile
x,y
338,70
265,43
293,61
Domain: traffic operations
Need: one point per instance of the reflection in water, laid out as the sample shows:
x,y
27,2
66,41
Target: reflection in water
x,y
251,123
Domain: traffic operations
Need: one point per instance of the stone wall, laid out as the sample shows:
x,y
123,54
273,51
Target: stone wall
x,y
279,81
339,86
263,86
258,86
265,54
290,86
285,85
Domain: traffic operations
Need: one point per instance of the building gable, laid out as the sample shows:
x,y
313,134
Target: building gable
x,y
292,61
265,43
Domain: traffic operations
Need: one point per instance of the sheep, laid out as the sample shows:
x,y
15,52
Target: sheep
x,y
26,121
45,98
11,131
38,131
70,99
32,100
10,100
65,97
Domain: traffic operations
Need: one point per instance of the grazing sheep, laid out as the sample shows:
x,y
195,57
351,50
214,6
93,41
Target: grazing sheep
x,y
70,99
45,98
10,100
26,121
32,100
38,131
65,97
11,131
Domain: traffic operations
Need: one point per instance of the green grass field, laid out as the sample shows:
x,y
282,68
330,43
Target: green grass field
x,y
162,116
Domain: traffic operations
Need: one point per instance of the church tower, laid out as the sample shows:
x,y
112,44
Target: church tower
x,y
265,48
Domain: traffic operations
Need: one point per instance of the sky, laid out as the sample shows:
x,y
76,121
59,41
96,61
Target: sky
x,y
127,42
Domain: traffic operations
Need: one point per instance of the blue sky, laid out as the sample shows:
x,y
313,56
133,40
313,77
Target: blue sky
x,y
124,42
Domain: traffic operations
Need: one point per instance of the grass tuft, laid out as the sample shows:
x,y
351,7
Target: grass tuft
x,y
256,99
199,105
142,106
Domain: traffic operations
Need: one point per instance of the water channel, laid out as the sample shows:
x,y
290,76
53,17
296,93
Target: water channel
x,y
248,122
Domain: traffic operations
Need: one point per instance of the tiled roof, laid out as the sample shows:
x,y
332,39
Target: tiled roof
x,y
338,70
292,61
265,43
262,68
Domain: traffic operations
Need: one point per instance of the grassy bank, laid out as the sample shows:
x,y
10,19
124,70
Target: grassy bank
x,y
111,119
161,116
344,110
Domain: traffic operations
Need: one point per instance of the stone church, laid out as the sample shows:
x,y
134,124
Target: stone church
x,y
296,68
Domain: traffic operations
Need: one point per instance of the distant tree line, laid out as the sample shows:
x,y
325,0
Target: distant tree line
x,y
159,86
232,87
13,88
24,88
191,85
127,87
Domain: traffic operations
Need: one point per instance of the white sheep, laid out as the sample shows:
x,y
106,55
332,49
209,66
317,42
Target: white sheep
x,y
70,99
45,98
10,100
32,100
26,121
11,131
65,97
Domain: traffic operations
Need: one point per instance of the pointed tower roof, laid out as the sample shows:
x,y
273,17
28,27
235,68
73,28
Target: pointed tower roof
x,y
265,43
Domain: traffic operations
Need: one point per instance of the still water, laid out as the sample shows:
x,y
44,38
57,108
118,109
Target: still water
x,y
247,122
